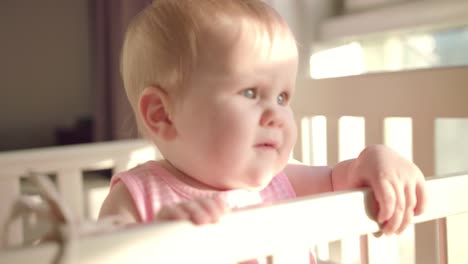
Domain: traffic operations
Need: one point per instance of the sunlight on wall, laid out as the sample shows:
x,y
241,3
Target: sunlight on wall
x,y
337,61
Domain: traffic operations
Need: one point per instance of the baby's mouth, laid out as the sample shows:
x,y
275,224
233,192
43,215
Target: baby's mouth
x,y
267,145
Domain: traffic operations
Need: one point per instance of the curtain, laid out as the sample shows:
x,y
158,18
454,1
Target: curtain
x,y
112,115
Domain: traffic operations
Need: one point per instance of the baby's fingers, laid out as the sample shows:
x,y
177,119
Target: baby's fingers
x,y
385,196
421,196
410,195
393,224
214,208
172,213
197,212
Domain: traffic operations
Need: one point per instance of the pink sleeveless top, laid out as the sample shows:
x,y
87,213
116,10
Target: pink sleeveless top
x,y
152,186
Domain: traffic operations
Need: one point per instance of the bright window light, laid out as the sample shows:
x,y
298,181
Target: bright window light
x,y
338,61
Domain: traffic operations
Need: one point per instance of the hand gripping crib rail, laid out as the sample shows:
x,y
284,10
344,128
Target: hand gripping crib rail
x,y
282,233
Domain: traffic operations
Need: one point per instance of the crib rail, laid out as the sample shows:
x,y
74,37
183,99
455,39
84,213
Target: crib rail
x,y
68,164
93,156
272,231
421,96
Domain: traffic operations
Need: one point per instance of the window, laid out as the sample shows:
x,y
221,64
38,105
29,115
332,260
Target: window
x,y
391,51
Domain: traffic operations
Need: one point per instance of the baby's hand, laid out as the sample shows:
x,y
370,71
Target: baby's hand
x,y
199,211
397,183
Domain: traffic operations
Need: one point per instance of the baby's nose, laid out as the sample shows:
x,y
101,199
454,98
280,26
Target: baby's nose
x,y
271,118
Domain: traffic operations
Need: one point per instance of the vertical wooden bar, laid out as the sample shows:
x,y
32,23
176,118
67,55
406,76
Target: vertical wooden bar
x,y
70,186
296,255
383,249
9,192
121,163
430,237
332,159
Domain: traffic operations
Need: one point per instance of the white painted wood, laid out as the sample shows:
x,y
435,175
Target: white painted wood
x,y
422,95
249,233
70,186
428,237
405,16
122,164
9,190
428,93
68,162
382,250
85,156
288,255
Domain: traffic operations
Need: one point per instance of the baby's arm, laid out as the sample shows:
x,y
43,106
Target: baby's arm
x,y
397,184
308,180
119,202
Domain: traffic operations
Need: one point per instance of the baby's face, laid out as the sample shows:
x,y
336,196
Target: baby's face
x,y
236,128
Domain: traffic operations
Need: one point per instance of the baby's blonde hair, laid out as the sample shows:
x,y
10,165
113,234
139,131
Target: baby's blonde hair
x,y
162,42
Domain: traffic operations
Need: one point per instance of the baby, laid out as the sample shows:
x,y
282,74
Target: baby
x,y
210,83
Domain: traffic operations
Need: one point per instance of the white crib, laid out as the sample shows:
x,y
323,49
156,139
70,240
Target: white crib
x,y
421,95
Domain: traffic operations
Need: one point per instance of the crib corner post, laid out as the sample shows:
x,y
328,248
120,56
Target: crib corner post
x,y
11,234
70,185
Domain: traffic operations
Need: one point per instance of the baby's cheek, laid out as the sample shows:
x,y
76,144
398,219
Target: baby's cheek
x,y
291,132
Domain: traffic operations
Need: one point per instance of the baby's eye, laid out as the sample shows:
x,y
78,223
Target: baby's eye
x,y
250,93
283,98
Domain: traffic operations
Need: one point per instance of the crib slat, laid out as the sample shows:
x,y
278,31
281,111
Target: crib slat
x,y
383,249
9,191
296,255
121,164
429,237
70,186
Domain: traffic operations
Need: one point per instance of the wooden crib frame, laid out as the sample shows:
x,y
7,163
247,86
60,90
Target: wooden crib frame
x,y
265,231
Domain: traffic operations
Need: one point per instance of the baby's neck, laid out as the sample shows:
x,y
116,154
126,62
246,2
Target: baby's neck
x,y
185,178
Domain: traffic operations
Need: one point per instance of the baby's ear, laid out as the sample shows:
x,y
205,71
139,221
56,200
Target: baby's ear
x,y
154,112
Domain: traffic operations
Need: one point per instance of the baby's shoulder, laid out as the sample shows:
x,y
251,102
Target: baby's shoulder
x,y
119,202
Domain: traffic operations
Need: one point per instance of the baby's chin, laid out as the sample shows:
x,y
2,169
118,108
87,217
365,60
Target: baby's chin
x,y
258,182
255,180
